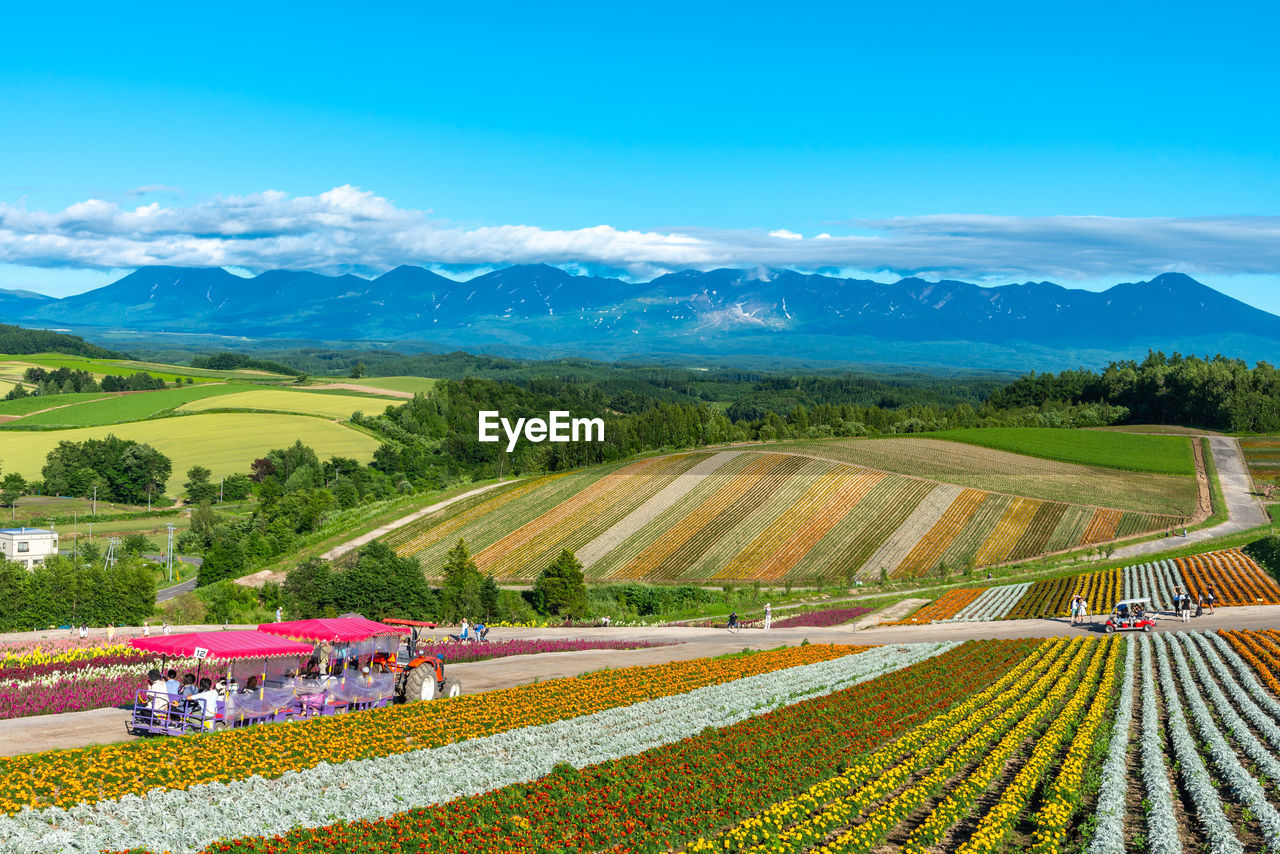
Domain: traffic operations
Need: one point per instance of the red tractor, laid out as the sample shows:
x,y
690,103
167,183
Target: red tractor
x,y
419,676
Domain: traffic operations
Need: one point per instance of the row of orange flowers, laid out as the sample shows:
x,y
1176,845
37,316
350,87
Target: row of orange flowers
x,y
68,777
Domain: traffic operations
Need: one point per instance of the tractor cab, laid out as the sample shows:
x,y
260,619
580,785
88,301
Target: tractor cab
x,y
419,675
1130,615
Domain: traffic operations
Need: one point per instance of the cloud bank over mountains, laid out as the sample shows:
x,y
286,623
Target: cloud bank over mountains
x,y
348,229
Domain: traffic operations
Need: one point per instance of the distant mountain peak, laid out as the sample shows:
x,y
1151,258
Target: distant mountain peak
x,y
539,308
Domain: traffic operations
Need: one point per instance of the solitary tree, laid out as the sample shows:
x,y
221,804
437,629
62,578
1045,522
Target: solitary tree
x,y
198,487
560,589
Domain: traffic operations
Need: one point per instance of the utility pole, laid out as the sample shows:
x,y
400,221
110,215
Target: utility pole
x,y
95,503
220,482
168,554
112,544
148,499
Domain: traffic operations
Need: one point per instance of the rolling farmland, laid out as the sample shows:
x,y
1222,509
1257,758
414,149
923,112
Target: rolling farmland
x,y
1262,455
1000,471
746,515
224,442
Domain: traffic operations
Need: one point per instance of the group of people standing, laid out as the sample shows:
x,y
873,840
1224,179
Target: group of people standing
x,y
1079,608
1182,602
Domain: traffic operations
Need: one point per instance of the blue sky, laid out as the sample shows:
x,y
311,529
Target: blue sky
x,y
715,122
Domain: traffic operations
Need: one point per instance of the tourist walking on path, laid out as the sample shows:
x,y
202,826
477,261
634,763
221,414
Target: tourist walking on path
x,y
1209,597
146,629
768,614
1075,608
164,628
84,632
733,621
1186,607
111,632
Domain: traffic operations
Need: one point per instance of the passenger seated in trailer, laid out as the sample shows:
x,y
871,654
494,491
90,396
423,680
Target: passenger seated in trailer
x,y
158,691
1138,610
250,686
205,703
1122,611
188,686
172,683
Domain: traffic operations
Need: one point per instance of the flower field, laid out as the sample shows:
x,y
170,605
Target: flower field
x,y
1163,743
643,798
1235,578
824,617
1262,456
745,515
64,778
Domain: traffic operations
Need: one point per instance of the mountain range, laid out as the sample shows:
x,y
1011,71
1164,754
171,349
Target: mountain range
x,y
538,310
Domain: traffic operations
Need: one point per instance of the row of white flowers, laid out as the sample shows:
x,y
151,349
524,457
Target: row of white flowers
x,y
994,604
86,674
1108,836
1260,694
186,821
1155,581
1242,783
1162,824
1241,706
1195,776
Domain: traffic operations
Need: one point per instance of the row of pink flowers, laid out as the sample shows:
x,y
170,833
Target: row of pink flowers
x,y
458,652
825,617
33,698
18,672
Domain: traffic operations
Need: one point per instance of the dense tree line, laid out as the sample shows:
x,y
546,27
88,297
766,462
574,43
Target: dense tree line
x,y
1218,393
432,440
15,340
62,593
295,492
72,381
228,361
121,470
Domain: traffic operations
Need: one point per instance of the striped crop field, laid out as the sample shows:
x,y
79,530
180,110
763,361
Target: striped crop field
x,y
1052,597
1232,576
944,607
749,515
1262,456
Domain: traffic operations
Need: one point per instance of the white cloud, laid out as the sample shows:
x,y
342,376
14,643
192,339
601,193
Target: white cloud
x,y
349,229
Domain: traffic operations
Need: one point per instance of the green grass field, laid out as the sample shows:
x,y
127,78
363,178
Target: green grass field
x,y
25,405
1125,451
224,442
118,408
287,400
410,384
12,367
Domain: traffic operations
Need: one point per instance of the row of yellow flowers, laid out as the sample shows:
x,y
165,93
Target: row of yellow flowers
x,y
61,652
997,824
800,821
1064,796
999,738
69,777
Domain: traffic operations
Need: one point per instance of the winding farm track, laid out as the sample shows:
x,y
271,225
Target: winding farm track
x,y
1244,510
359,541
106,726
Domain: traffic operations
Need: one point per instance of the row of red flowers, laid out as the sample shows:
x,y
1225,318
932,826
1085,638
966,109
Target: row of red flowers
x,y
669,795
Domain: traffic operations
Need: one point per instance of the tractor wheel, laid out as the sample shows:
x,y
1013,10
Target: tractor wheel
x,y
452,688
1147,627
421,684
1110,628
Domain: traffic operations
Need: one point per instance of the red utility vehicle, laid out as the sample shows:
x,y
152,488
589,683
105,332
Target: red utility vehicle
x,y
1130,615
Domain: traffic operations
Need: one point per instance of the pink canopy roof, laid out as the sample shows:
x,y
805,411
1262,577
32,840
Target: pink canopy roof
x,y
237,644
339,629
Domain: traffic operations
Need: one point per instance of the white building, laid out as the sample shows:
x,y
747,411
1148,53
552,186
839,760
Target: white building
x,y
28,546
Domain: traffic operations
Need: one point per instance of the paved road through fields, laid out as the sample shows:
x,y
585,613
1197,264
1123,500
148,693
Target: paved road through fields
x,y
1244,510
